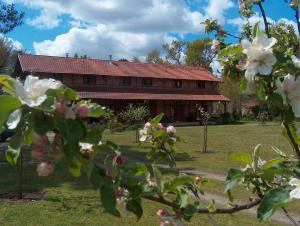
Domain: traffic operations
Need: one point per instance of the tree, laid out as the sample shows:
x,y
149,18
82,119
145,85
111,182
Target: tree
x,y
135,59
8,55
200,53
9,17
204,117
175,51
154,57
230,87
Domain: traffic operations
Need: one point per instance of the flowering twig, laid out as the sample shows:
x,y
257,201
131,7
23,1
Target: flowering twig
x,y
295,145
297,19
290,217
264,17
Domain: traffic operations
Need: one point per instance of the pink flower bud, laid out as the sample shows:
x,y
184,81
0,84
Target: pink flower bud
x,y
147,125
60,108
37,152
152,183
161,213
160,126
83,110
40,140
164,223
171,130
197,180
44,169
119,160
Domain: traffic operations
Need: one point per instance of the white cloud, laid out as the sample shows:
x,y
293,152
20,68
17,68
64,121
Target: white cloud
x,y
216,9
99,42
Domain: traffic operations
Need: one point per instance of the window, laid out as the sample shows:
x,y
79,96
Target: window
x,y
89,79
177,83
147,82
57,77
201,84
125,81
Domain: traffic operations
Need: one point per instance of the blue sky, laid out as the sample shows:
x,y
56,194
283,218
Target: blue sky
x,y
124,28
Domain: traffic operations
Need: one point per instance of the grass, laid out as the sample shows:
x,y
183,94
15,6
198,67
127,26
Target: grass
x,y
71,201
222,141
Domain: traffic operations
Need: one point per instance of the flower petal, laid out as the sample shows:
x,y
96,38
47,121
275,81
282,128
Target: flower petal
x,y
295,194
14,119
294,181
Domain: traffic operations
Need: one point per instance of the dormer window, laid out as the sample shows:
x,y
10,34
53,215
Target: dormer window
x,y
147,82
89,79
125,81
201,84
177,83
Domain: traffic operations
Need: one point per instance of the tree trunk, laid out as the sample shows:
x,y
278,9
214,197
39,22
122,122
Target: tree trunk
x,y
205,138
19,175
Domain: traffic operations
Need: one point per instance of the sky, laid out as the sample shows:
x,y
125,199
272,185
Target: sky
x,y
125,28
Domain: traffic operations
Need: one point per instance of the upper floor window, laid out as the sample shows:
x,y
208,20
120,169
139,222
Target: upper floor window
x,y
125,81
177,83
201,84
147,82
89,79
57,77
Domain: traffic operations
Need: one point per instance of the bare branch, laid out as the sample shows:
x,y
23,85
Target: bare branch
x,y
290,217
264,17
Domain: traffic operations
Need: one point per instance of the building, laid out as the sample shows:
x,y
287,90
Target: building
x,y
174,90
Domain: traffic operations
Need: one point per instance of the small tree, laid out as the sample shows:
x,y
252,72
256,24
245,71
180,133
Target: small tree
x,y
204,117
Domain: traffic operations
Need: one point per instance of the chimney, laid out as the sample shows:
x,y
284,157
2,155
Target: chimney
x,y
110,59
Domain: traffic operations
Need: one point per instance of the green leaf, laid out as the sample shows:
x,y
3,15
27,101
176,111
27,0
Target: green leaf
x,y
8,105
233,176
231,50
93,136
48,105
189,211
279,152
256,155
178,181
241,157
273,199
95,176
96,110
134,206
12,155
157,176
182,198
273,162
243,84
8,83
156,120
108,199
74,167
275,100
72,132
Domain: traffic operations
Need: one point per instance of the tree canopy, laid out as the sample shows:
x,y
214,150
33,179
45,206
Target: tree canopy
x,y
10,17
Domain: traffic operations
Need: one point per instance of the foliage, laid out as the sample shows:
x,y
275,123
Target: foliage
x,y
175,51
10,17
200,53
154,57
134,114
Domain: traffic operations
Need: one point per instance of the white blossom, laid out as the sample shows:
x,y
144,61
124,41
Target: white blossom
x,y
143,135
14,119
295,193
289,89
86,147
296,61
260,55
33,92
215,44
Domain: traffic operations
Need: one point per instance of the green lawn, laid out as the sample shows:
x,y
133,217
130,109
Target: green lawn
x,y
70,201
222,140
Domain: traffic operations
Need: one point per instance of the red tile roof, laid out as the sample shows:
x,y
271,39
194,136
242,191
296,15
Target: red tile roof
x,y
64,65
152,96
